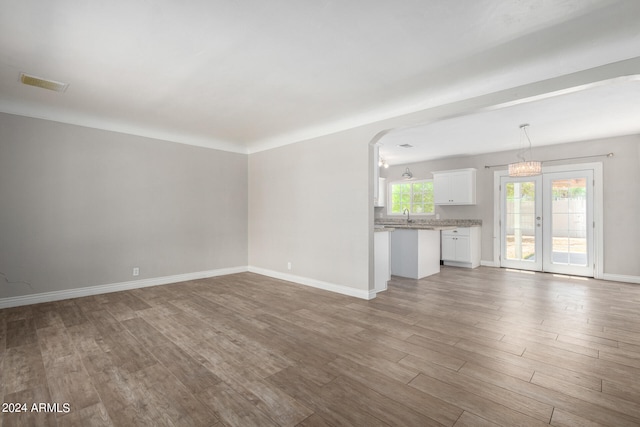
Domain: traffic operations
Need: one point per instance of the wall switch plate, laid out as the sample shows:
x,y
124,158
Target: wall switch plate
x,y
136,271
289,265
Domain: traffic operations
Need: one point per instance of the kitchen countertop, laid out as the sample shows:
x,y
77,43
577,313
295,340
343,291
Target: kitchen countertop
x,y
377,228
417,226
390,224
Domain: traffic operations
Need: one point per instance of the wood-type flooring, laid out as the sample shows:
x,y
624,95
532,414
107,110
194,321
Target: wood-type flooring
x,y
482,347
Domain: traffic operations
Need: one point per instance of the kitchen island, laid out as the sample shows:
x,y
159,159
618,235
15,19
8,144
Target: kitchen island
x,y
415,253
415,246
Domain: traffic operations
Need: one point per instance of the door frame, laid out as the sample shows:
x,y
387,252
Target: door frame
x,y
538,261
547,252
598,211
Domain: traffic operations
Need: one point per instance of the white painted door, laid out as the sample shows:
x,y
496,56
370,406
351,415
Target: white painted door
x,y
568,225
547,222
520,225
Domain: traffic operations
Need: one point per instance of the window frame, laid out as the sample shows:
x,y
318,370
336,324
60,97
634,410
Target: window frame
x,y
390,197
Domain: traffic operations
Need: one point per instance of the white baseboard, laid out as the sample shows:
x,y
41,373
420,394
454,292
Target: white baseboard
x,y
621,278
489,264
114,287
340,289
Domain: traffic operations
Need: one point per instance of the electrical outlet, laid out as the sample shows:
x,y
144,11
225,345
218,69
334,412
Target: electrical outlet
x,y
289,265
136,271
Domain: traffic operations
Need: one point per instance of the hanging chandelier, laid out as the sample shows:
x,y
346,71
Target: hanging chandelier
x,y
524,167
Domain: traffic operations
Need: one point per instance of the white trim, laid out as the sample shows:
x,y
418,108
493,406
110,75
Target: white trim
x,y
598,211
114,287
621,278
497,212
340,289
489,264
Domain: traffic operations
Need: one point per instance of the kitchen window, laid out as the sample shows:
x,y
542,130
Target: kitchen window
x,y
417,196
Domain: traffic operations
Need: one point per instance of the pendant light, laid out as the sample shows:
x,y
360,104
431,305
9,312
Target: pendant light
x,y
407,174
525,167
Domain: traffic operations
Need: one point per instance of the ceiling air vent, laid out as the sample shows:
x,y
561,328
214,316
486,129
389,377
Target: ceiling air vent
x,y
43,83
405,145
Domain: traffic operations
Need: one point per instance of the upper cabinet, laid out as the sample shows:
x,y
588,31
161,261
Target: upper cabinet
x,y
378,202
376,174
454,187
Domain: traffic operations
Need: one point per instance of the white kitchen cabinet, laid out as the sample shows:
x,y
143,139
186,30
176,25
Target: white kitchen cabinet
x,y
376,172
382,260
415,253
379,201
461,247
454,187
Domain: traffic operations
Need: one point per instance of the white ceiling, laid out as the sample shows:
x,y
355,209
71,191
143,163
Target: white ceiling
x,y
608,109
247,75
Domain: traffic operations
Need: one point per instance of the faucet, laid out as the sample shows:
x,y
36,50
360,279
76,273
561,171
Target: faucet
x,y
406,211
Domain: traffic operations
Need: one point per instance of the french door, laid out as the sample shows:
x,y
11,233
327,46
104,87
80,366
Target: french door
x,y
547,222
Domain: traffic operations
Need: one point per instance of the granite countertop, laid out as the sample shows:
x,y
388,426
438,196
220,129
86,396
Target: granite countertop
x,y
417,226
388,224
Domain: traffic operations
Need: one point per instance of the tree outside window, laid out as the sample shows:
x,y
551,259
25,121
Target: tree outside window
x,y
416,196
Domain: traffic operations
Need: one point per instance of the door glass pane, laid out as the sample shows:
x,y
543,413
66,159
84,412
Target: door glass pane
x,y
520,221
569,221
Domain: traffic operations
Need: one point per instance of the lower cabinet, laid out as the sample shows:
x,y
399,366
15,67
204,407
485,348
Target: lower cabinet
x,y
461,247
415,253
382,260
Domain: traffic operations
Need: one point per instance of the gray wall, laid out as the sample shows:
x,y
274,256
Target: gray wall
x,y
309,205
621,176
82,207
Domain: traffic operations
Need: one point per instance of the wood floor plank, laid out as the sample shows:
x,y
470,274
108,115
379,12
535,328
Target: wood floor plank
x,y
454,357
95,415
314,420
69,382
21,332
54,343
105,322
70,313
189,371
171,399
3,333
549,396
272,400
433,407
563,418
46,315
322,400
402,372
465,347
491,347
23,369
474,403
387,410
37,394
516,401
145,333
421,347
232,408
118,390
467,419
621,356
125,352
524,341
587,340
586,365
623,406
623,388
